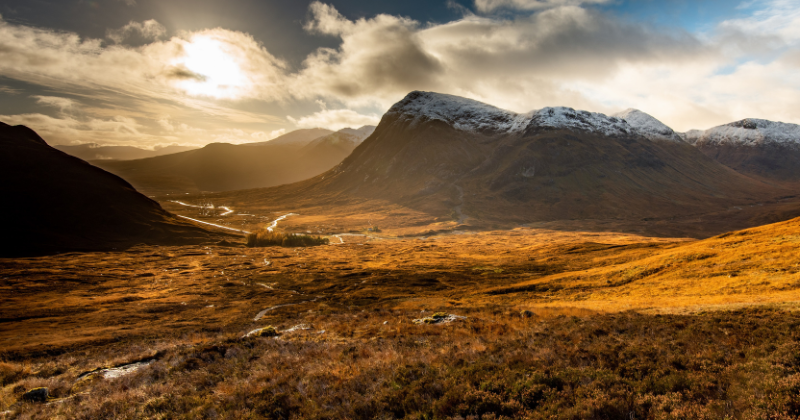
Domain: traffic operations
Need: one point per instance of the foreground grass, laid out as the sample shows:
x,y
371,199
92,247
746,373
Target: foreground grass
x,y
497,364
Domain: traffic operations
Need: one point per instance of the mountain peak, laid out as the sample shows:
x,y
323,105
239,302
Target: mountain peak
x,y
753,132
648,126
462,113
475,116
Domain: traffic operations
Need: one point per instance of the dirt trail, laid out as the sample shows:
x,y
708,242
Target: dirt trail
x,y
275,222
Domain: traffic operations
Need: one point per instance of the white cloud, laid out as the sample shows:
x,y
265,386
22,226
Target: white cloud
x,y
491,5
149,30
335,119
773,18
60,103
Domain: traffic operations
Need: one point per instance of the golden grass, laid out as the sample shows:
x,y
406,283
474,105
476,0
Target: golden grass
x,y
72,313
759,265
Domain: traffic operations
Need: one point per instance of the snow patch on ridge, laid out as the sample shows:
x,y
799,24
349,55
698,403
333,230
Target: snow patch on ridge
x,y
563,117
752,132
462,113
648,126
470,115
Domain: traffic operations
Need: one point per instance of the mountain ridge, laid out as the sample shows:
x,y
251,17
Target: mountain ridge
x,y
62,203
461,160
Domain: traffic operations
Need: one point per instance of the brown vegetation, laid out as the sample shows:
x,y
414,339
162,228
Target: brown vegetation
x,y
376,364
548,333
265,238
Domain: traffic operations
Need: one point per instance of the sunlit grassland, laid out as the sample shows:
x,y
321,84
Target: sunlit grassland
x,y
757,265
657,328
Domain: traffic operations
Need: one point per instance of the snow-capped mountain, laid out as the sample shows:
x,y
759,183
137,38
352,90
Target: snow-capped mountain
x,y
648,126
470,115
752,132
452,156
761,148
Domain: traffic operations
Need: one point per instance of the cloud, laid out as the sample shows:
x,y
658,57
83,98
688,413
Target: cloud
x,y
214,84
377,57
775,19
149,30
9,90
335,119
518,63
491,5
56,102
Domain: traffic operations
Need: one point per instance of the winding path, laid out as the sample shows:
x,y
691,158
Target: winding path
x,y
275,222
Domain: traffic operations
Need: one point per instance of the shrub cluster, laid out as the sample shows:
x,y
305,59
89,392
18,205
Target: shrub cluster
x,y
266,238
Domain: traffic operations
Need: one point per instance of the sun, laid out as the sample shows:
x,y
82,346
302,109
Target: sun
x,y
213,67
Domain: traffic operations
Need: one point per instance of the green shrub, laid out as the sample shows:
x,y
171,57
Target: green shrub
x,y
266,238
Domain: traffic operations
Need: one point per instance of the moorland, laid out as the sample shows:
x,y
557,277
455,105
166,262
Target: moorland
x,y
545,273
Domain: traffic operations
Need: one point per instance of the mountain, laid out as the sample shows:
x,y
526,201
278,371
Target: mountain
x,y
57,202
224,167
459,159
764,149
342,142
93,151
297,138
647,126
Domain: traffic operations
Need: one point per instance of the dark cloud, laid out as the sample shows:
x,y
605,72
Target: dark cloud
x,y
182,73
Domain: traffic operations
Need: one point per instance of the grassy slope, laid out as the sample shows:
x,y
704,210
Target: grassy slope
x,y
760,264
188,307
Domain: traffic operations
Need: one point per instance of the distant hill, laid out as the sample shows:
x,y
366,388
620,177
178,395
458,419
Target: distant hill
x,y
224,167
92,151
299,138
761,148
458,159
57,202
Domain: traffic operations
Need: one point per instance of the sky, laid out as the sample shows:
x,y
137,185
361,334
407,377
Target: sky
x,y
151,73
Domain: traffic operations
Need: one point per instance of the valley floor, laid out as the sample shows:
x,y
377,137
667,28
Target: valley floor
x,y
619,326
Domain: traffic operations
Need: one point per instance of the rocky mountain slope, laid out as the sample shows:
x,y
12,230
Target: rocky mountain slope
x,y
460,159
225,167
761,148
56,202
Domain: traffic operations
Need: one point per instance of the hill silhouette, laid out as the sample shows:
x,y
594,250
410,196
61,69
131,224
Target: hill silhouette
x,y
92,151
56,202
297,138
224,167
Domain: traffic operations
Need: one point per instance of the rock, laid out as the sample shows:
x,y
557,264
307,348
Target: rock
x,y
37,395
269,331
526,314
301,327
439,318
